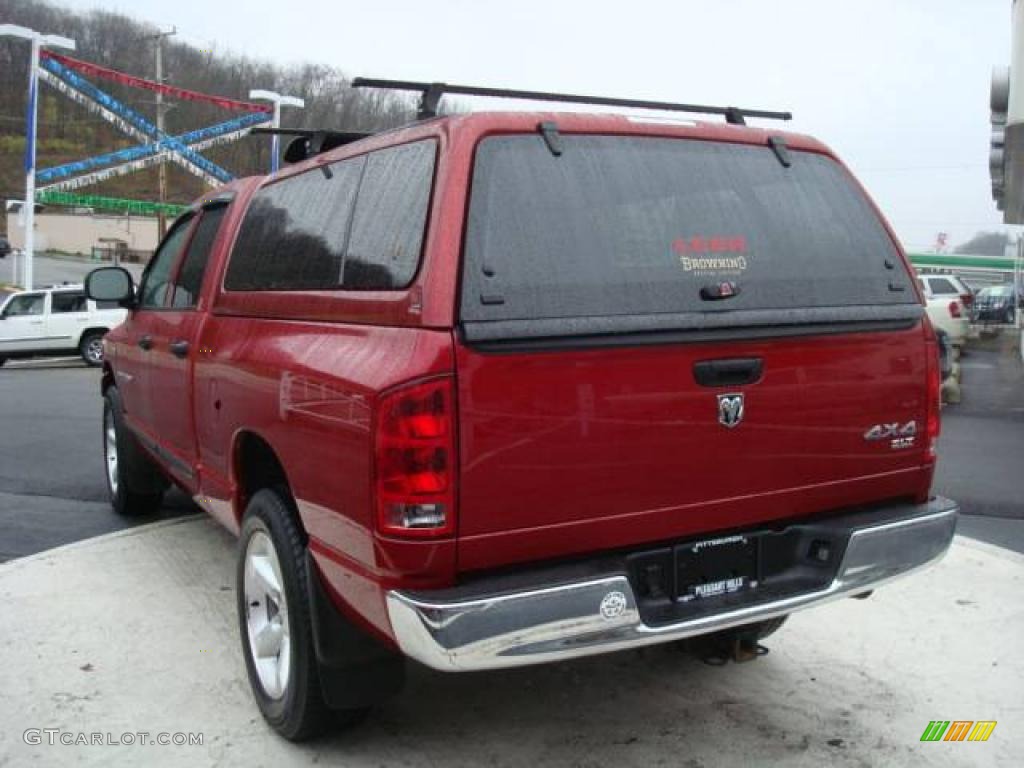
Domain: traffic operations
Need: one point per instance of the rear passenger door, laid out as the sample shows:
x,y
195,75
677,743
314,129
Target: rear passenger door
x,y
67,318
175,333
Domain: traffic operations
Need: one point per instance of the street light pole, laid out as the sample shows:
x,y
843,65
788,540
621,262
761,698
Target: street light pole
x,y
30,163
278,101
37,41
162,167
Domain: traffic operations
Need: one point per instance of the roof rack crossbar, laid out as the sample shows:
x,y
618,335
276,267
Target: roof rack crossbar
x,y
430,94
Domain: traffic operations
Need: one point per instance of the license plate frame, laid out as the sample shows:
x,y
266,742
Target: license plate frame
x,y
713,568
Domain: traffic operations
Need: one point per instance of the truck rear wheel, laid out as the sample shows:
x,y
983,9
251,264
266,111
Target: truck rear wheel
x,y
134,483
275,624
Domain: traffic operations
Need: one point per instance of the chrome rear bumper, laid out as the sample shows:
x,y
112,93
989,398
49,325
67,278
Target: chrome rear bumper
x,y
491,626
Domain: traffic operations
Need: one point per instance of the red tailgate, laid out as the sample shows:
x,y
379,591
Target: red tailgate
x,y
609,447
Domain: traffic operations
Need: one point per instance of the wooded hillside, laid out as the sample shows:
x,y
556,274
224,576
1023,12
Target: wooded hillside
x,y
69,132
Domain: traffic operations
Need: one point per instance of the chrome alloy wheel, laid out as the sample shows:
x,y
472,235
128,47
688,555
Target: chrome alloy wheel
x,y
94,350
266,615
110,449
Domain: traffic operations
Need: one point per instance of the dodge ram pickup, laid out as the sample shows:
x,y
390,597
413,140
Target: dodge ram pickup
x,y
504,388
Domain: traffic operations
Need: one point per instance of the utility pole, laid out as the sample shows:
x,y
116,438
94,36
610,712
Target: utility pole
x,y
278,101
162,167
38,41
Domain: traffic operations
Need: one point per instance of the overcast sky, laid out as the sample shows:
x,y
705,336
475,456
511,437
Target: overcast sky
x,y
899,88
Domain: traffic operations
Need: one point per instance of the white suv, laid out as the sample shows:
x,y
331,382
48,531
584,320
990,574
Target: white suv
x,y
55,321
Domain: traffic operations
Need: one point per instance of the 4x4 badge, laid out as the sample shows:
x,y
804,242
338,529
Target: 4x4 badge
x,y
730,410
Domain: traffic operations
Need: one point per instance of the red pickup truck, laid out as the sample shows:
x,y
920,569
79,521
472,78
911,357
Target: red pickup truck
x,y
498,389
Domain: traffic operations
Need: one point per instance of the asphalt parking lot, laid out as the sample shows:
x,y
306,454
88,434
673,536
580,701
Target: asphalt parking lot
x,y
52,490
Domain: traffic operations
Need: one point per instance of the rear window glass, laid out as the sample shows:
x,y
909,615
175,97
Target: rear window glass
x,y
941,285
639,226
356,225
67,302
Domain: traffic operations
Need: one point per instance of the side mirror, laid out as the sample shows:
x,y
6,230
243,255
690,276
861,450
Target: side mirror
x,y
111,284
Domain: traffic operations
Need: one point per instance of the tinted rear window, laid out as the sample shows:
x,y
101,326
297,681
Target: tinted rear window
x,y
942,285
64,301
638,226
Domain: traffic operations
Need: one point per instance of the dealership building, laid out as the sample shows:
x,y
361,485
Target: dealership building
x,y
84,231
1006,159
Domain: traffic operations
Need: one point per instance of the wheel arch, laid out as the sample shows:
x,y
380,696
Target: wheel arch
x,y
255,465
103,330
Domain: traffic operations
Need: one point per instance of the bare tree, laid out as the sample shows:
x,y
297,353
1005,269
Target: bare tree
x,y
69,132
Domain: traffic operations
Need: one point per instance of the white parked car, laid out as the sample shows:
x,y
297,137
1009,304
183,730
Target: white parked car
x,y
56,321
949,314
948,287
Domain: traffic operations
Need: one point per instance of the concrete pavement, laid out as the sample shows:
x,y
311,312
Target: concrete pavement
x,y
136,631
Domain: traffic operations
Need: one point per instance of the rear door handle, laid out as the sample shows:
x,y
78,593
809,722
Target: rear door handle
x,y
731,372
146,342
179,348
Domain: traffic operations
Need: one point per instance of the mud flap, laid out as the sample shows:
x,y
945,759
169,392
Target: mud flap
x,y
355,669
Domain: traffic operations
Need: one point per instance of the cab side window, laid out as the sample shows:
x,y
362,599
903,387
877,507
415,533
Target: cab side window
x,y
67,301
190,277
156,283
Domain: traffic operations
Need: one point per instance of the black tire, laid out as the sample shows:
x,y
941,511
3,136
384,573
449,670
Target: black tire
x,y
2,361
90,347
300,711
139,486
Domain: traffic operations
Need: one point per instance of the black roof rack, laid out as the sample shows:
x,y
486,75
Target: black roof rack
x,y
431,93
308,143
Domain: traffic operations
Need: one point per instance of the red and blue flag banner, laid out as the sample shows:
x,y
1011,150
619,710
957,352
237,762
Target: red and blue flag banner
x,y
133,117
95,70
62,72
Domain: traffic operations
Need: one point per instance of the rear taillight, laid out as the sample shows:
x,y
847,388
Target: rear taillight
x,y
415,460
954,309
934,402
